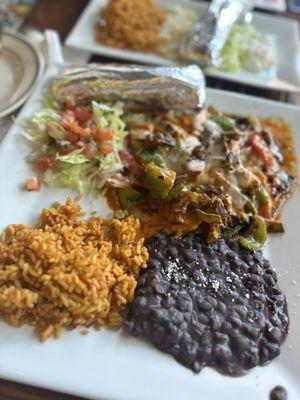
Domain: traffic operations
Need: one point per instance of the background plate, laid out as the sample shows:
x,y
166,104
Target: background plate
x,y
286,31
272,5
110,365
21,65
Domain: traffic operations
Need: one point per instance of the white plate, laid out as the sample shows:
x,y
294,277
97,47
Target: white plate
x,y
109,365
272,5
21,65
285,30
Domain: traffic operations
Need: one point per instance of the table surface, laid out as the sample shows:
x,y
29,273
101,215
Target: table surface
x,y
61,16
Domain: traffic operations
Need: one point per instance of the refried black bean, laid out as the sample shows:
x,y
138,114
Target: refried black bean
x,y
278,393
214,304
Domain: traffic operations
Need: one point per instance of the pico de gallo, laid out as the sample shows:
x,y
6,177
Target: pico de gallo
x,y
77,147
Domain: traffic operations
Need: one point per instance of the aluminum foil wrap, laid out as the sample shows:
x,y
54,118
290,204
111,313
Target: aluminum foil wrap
x,y
210,32
147,87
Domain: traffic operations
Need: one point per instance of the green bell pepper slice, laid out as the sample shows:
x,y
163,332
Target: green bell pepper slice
x,y
259,236
209,218
148,156
159,180
128,195
261,195
224,122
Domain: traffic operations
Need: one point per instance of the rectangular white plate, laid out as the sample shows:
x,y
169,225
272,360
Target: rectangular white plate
x,y
109,365
285,30
272,5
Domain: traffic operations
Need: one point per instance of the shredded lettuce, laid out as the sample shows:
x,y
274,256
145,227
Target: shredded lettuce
x,y
76,157
107,168
35,128
232,51
74,170
109,163
72,176
106,116
50,101
82,177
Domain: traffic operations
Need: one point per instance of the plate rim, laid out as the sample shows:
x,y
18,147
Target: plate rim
x,y
39,69
282,7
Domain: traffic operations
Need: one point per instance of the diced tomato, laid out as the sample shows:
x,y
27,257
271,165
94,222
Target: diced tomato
x,y
67,149
83,114
106,134
86,132
106,148
260,146
76,129
90,149
72,137
67,119
102,134
44,163
65,123
96,134
32,184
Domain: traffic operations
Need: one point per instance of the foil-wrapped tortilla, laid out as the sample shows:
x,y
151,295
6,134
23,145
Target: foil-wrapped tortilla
x,y
147,87
210,32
